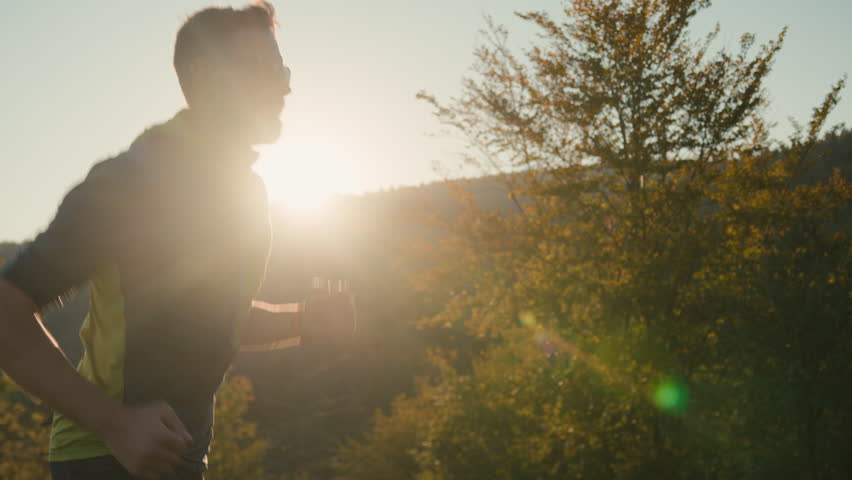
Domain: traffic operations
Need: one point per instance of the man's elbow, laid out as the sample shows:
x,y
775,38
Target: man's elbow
x,y
18,318
14,304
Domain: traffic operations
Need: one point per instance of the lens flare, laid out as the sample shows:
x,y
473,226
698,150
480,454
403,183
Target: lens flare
x,y
671,396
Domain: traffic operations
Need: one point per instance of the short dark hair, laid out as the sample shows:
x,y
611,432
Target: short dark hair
x,y
205,32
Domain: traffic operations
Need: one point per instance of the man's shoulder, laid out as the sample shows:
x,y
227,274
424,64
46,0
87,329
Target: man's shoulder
x,y
114,167
139,159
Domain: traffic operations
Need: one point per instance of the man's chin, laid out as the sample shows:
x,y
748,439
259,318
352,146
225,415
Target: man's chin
x,y
264,133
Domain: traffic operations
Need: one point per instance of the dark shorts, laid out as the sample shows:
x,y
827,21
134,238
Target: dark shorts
x,y
104,468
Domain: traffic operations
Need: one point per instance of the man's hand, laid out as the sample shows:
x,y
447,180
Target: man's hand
x,y
148,440
329,318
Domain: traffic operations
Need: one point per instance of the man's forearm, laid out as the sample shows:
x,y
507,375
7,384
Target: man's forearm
x,y
31,357
271,326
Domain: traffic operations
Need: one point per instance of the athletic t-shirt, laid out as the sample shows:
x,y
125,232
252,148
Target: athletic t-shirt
x,y
173,236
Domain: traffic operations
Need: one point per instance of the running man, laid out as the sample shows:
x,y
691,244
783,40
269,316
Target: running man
x,y
173,236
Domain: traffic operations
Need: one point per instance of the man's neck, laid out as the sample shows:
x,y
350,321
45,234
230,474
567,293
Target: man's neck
x,y
217,133
215,128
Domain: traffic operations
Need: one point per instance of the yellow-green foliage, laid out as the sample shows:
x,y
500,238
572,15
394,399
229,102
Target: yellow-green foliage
x,y
23,435
390,450
236,451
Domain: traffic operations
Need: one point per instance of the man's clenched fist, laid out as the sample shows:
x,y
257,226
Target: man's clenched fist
x,y
148,440
329,318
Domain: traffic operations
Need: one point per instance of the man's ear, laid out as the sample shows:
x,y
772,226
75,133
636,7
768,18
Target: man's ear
x,y
199,79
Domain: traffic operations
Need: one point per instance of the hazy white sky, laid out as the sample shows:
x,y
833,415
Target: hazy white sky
x,y
81,79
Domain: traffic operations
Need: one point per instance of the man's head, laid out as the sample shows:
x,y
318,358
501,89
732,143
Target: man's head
x,y
231,72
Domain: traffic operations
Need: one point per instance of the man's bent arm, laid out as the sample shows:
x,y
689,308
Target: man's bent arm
x,y
272,326
93,226
32,358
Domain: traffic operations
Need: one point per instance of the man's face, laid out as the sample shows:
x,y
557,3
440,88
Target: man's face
x,y
248,87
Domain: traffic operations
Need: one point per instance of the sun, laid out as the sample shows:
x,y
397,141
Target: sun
x,y
303,173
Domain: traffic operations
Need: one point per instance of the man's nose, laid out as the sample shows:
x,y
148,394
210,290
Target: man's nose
x,y
285,81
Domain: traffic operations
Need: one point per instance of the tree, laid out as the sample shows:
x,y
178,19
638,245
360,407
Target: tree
x,y
666,262
236,452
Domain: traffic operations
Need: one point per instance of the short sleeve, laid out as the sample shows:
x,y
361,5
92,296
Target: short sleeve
x,y
85,234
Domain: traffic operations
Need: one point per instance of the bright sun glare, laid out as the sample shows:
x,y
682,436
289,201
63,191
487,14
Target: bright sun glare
x,y
302,173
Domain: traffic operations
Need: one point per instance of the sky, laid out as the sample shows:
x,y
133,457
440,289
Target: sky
x,y
80,80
